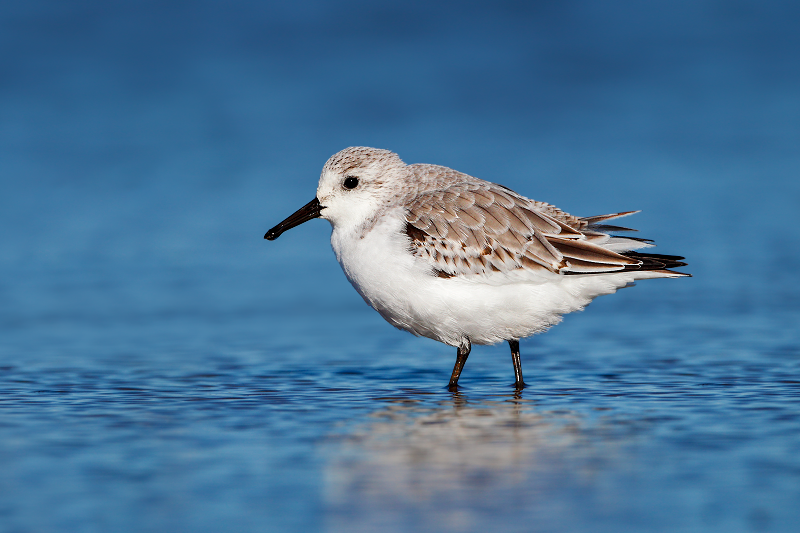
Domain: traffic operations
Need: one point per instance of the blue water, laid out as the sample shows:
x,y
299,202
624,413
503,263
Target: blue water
x,y
163,368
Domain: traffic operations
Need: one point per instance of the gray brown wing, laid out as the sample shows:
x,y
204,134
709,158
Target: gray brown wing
x,y
476,228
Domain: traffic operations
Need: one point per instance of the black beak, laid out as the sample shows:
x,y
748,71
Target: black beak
x,y
304,214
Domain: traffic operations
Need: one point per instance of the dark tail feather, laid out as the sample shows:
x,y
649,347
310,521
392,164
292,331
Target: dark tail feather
x,y
655,261
648,262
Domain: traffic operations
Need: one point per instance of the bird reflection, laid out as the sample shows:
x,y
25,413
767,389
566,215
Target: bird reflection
x,y
442,464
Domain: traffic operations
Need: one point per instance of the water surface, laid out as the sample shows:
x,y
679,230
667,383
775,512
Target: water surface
x,y
163,368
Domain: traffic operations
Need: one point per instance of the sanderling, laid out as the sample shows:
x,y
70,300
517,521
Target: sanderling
x,y
465,261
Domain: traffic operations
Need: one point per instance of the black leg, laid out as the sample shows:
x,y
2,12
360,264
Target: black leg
x,y
461,358
518,383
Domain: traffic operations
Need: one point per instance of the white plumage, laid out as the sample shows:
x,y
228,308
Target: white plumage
x,y
460,260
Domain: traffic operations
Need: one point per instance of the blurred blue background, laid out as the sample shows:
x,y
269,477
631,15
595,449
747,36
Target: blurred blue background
x,y
165,368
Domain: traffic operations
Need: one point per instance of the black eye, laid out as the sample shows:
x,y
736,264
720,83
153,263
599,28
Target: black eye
x,y
350,182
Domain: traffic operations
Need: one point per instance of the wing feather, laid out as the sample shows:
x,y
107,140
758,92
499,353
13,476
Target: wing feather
x,y
469,227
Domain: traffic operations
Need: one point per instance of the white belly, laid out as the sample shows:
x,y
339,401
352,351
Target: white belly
x,y
401,288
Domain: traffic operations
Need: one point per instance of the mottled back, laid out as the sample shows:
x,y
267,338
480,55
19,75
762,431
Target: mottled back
x,y
465,226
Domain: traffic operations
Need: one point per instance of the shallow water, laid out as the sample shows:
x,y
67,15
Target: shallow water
x,y
163,368
621,432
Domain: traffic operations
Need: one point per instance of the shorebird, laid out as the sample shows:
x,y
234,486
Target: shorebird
x,y
464,261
